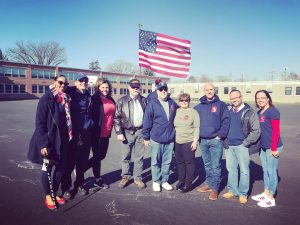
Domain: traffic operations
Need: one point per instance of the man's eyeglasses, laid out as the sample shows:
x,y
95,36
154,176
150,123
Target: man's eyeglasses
x,y
235,98
84,80
184,100
136,88
61,83
163,89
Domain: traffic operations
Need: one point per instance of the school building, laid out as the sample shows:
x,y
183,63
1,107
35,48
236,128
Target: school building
x,y
281,91
27,81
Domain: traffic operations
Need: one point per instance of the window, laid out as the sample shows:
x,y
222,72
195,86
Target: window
x,y
226,90
8,88
47,74
15,72
115,91
124,80
34,74
22,88
40,74
46,88
1,71
123,91
1,88
22,72
43,74
41,89
297,90
7,71
149,91
16,88
216,90
288,90
34,89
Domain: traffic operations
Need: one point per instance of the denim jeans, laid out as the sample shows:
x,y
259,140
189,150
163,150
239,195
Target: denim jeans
x,y
238,156
161,157
133,146
270,167
212,151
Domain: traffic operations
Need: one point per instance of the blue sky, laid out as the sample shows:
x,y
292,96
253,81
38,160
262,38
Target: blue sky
x,y
237,37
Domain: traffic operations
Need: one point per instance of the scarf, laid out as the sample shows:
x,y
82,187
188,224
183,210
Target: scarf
x,y
64,100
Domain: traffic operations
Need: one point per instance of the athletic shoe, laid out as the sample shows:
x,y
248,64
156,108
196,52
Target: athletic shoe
x,y
267,203
167,186
260,197
156,187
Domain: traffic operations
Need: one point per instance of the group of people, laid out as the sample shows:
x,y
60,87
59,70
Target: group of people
x,y
70,122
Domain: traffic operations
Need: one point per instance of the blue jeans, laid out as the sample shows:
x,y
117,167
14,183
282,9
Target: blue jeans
x,y
161,157
212,151
238,156
270,167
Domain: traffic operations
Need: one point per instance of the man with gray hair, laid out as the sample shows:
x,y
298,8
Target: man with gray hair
x,y
128,123
159,134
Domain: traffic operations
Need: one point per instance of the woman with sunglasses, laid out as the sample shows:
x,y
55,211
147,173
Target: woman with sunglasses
x,y
271,147
50,141
103,111
187,123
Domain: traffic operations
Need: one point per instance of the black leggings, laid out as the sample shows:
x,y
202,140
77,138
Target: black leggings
x,y
185,159
98,155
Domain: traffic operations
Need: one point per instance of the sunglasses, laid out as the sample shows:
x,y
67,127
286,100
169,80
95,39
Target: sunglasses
x,y
163,89
84,80
135,87
61,83
184,100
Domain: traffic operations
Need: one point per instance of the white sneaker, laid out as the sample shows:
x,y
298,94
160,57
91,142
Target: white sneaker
x,y
267,203
156,187
167,186
260,197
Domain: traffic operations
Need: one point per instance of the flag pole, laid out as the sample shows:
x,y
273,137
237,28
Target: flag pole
x,y
140,27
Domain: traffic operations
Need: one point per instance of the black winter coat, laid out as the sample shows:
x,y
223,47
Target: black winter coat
x,y
47,132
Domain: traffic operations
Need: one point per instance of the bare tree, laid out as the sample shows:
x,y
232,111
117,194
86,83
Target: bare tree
x,y
147,72
43,53
121,66
94,65
224,78
292,76
204,79
2,56
191,79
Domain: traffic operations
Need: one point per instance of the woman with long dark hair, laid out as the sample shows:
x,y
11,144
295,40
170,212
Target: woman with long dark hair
x,y
271,147
50,141
103,111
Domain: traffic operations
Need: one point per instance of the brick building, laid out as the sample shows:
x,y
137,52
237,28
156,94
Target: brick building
x,y
26,81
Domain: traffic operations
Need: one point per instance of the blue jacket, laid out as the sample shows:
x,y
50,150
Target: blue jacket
x,y
156,125
152,96
50,130
80,109
214,118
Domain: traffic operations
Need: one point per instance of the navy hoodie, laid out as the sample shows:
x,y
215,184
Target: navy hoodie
x,y
156,125
214,118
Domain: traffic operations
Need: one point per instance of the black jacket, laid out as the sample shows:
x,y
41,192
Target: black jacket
x,y
97,112
124,113
50,130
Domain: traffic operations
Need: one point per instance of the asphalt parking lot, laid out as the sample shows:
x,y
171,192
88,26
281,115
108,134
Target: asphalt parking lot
x,y
22,199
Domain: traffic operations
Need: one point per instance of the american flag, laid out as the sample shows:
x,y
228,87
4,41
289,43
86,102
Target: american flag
x,y
164,54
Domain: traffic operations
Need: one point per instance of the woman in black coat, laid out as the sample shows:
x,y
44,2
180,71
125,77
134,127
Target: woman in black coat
x,y
49,143
103,111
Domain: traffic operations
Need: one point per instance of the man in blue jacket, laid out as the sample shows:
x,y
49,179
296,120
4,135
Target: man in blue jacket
x,y
81,143
159,134
214,126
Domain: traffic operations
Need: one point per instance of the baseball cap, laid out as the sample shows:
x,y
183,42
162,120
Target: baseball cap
x,y
80,76
161,84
